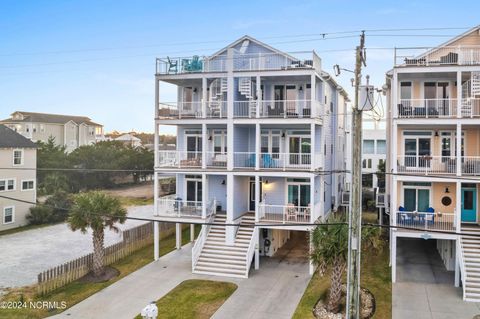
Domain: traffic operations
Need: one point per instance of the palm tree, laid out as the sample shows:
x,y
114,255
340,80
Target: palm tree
x,y
96,210
330,248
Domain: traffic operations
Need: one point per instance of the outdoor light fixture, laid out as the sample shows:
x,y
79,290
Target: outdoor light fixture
x,y
436,133
283,134
300,88
194,90
210,138
266,182
447,191
223,182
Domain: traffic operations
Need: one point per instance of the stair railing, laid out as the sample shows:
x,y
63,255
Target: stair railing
x,y
202,236
463,275
251,250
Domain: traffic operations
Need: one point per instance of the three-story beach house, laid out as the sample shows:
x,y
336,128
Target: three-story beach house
x,y
260,142
433,156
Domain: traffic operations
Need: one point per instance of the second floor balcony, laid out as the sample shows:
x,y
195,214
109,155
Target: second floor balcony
x,y
439,108
447,55
277,109
431,165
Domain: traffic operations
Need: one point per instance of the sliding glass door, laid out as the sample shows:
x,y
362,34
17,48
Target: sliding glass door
x,y
416,199
300,150
417,151
299,194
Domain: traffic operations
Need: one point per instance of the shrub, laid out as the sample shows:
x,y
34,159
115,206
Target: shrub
x,y
39,215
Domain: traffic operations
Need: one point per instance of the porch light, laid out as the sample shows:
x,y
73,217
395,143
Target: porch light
x,y
266,182
210,138
283,134
436,133
447,191
300,88
194,90
223,182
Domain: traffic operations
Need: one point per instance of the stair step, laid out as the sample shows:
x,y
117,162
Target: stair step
x,y
225,256
220,270
225,247
223,260
219,265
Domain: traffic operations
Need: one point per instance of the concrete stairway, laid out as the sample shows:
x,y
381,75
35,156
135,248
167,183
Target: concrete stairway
x,y
217,258
471,257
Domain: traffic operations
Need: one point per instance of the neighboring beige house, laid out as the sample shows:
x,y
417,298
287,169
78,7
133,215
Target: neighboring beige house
x,y
18,156
71,131
433,154
129,139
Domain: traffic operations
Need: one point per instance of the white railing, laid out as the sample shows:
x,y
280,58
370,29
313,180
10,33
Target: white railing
x,y
244,159
251,250
426,164
274,61
216,160
471,165
427,108
179,159
201,239
245,109
470,107
286,161
287,108
285,213
217,109
179,208
461,262
423,56
174,110
426,221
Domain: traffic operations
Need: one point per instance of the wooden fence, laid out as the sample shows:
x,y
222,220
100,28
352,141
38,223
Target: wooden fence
x,y
133,239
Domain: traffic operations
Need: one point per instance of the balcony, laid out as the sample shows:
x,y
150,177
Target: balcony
x,y
427,164
180,159
175,207
285,214
216,160
240,62
277,161
425,221
425,56
438,108
192,110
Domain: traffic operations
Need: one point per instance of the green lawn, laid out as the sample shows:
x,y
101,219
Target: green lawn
x,y
375,276
196,299
77,291
24,228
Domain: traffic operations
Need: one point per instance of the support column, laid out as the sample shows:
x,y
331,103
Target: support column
x,y
230,230
459,149
313,160
257,199
459,94
257,146
204,195
393,252
313,96
155,193
259,95
313,208
204,97
178,235
311,268
458,206
156,241
257,250
204,145
157,136
192,232
394,97
457,263
393,142
394,204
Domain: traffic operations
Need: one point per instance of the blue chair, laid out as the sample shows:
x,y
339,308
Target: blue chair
x,y
267,161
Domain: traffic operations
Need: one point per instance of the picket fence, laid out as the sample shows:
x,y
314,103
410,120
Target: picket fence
x,y
133,239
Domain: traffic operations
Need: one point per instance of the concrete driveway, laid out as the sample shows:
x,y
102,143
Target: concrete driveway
x,y
424,288
26,254
271,292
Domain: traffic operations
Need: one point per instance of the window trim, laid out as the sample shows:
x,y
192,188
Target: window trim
x,y
28,189
22,158
6,180
13,215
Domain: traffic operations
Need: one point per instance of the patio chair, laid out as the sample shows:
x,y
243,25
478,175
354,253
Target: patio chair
x,y
290,212
172,66
404,216
267,161
430,215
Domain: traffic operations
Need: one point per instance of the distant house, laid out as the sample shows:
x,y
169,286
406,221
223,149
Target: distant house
x,y
18,155
129,139
71,131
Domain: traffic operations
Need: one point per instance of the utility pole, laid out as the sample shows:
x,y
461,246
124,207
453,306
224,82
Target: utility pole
x,y
355,216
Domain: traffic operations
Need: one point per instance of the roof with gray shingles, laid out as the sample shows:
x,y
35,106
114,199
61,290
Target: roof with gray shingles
x,y
11,139
49,118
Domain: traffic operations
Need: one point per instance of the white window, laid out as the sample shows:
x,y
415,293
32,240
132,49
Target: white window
x,y
381,147
3,185
368,147
28,185
8,215
10,184
17,157
42,128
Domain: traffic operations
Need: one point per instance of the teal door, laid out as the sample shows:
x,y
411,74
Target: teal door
x,y
469,205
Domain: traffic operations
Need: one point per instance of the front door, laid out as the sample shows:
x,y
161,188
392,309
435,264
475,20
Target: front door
x,y
194,191
469,205
194,146
251,197
299,149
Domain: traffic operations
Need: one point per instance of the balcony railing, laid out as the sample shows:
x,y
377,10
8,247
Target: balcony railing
x,y
425,221
180,159
245,109
176,207
471,165
289,108
216,109
244,160
427,108
285,213
192,110
449,55
470,107
286,160
216,160
239,62
426,164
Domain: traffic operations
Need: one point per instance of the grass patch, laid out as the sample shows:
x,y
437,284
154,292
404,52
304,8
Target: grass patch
x,y
194,299
135,201
77,291
24,228
375,276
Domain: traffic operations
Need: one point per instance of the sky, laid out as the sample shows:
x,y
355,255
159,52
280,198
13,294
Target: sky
x,y
97,58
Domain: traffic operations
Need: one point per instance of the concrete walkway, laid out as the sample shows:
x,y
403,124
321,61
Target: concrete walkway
x,y
271,292
424,288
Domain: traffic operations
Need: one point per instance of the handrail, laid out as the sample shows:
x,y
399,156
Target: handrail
x,y
251,250
463,274
202,237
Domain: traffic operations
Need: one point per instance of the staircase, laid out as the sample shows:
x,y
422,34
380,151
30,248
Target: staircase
x,y
219,259
470,246
245,88
217,88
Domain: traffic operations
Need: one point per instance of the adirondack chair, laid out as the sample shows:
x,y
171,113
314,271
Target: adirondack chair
x,y
172,65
